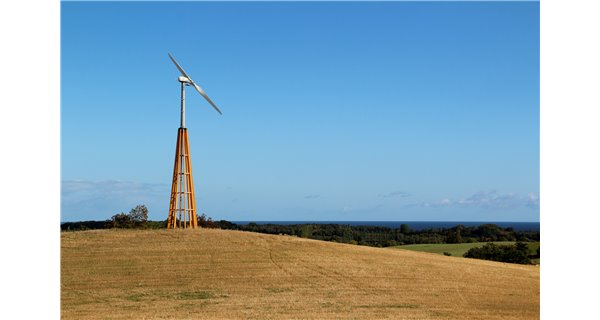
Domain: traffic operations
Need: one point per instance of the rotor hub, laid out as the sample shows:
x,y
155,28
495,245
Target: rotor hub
x,y
183,79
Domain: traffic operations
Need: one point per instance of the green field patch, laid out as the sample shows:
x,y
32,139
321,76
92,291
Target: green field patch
x,y
458,249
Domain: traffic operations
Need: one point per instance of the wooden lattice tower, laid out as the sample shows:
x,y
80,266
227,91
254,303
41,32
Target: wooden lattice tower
x,y
182,206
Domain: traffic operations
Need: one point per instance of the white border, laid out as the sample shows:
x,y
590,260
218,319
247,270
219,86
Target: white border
x,y
30,161
570,159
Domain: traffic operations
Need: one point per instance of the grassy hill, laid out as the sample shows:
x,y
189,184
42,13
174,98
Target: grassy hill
x,y
219,274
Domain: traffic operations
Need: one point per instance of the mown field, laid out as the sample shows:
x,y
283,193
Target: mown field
x,y
220,274
458,249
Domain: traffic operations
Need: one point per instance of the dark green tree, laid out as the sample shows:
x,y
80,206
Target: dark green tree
x,y
206,222
454,236
404,228
522,247
120,220
139,216
517,253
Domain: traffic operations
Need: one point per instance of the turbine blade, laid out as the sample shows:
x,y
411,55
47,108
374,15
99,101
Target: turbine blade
x,y
201,92
179,67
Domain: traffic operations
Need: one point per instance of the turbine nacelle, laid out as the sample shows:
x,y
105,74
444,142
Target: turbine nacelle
x,y
185,80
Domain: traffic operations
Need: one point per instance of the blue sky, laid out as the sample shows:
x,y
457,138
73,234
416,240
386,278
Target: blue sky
x,y
331,111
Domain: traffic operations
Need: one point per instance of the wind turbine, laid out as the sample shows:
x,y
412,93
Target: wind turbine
x,y
182,206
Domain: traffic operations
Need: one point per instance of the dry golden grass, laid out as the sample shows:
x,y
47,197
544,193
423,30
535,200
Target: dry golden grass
x,y
218,274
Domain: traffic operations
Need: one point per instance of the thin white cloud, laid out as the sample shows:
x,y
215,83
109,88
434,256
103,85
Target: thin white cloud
x,y
399,194
533,200
486,199
312,196
99,200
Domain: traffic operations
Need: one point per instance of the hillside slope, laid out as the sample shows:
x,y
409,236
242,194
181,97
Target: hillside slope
x,y
219,274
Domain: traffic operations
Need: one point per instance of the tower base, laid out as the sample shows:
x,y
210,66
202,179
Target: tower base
x,y
182,207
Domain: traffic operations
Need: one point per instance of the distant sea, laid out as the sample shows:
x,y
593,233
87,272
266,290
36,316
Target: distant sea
x,y
415,225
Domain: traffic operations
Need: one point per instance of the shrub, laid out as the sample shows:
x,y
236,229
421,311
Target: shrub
x,y
207,222
391,243
517,253
120,220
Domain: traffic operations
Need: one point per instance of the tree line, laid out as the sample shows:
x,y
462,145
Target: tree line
x,y
385,237
375,236
137,218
